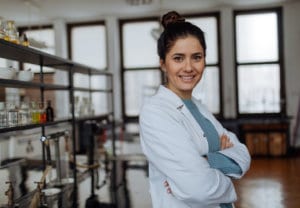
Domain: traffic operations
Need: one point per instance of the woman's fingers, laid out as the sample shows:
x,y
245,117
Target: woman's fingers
x,y
166,184
225,142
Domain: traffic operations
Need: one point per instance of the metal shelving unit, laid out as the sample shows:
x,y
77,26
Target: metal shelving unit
x,y
29,55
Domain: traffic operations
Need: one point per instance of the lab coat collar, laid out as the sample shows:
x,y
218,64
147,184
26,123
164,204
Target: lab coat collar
x,y
171,100
170,97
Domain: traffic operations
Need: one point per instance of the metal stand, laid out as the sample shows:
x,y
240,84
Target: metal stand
x,y
92,128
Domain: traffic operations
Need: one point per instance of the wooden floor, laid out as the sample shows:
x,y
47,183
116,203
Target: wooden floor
x,y
270,183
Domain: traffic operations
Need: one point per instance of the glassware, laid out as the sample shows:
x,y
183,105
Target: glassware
x,y
3,115
42,113
11,33
24,115
12,115
49,112
34,112
2,28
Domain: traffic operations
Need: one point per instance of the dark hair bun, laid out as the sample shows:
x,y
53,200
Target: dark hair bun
x,y
171,18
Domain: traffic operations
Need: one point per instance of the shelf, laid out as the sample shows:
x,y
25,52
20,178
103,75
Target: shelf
x,y
30,55
31,126
22,84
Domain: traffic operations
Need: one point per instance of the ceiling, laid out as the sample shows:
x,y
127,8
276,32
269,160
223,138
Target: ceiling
x,y
27,12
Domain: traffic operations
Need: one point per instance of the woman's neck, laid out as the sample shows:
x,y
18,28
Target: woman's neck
x,y
180,93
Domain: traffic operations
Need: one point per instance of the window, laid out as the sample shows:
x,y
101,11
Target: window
x,y
208,89
259,61
87,44
140,63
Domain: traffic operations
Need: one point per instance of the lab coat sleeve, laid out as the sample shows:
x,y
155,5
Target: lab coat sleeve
x,y
223,163
167,145
238,153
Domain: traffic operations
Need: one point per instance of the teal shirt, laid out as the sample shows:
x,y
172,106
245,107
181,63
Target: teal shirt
x,y
215,159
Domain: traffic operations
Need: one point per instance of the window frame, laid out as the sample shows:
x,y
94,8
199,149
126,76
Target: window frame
x,y
127,118
279,62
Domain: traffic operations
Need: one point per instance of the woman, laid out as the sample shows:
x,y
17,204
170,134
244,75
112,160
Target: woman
x,y
192,158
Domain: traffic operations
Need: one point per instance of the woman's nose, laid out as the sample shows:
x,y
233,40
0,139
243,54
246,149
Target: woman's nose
x,y
188,66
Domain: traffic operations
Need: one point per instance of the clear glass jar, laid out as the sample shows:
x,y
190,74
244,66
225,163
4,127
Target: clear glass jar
x,y
3,115
24,114
11,33
2,28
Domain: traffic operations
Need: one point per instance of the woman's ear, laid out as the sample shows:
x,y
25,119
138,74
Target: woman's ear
x,y
162,65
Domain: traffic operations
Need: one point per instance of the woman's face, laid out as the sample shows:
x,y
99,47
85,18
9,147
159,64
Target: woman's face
x,y
184,66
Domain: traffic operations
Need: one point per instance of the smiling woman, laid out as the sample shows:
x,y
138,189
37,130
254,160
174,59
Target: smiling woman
x,y
192,158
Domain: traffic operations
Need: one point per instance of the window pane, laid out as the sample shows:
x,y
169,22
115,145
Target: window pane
x,y
81,80
89,45
259,87
208,89
139,46
101,103
257,39
138,86
209,27
101,82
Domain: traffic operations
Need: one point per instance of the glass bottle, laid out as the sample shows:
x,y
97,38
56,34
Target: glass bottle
x,y
42,113
49,111
24,115
3,115
12,115
35,117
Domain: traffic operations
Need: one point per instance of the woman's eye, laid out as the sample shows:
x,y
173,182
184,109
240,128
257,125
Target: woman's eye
x,y
198,57
178,58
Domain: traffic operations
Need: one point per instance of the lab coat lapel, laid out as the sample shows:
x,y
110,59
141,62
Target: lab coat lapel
x,y
188,120
196,131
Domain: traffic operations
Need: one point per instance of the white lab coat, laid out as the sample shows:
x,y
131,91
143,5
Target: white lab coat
x,y
174,144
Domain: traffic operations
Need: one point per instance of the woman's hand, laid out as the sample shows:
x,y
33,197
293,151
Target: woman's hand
x,y
166,184
225,142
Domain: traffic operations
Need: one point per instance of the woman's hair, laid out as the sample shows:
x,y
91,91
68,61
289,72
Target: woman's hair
x,y
176,27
